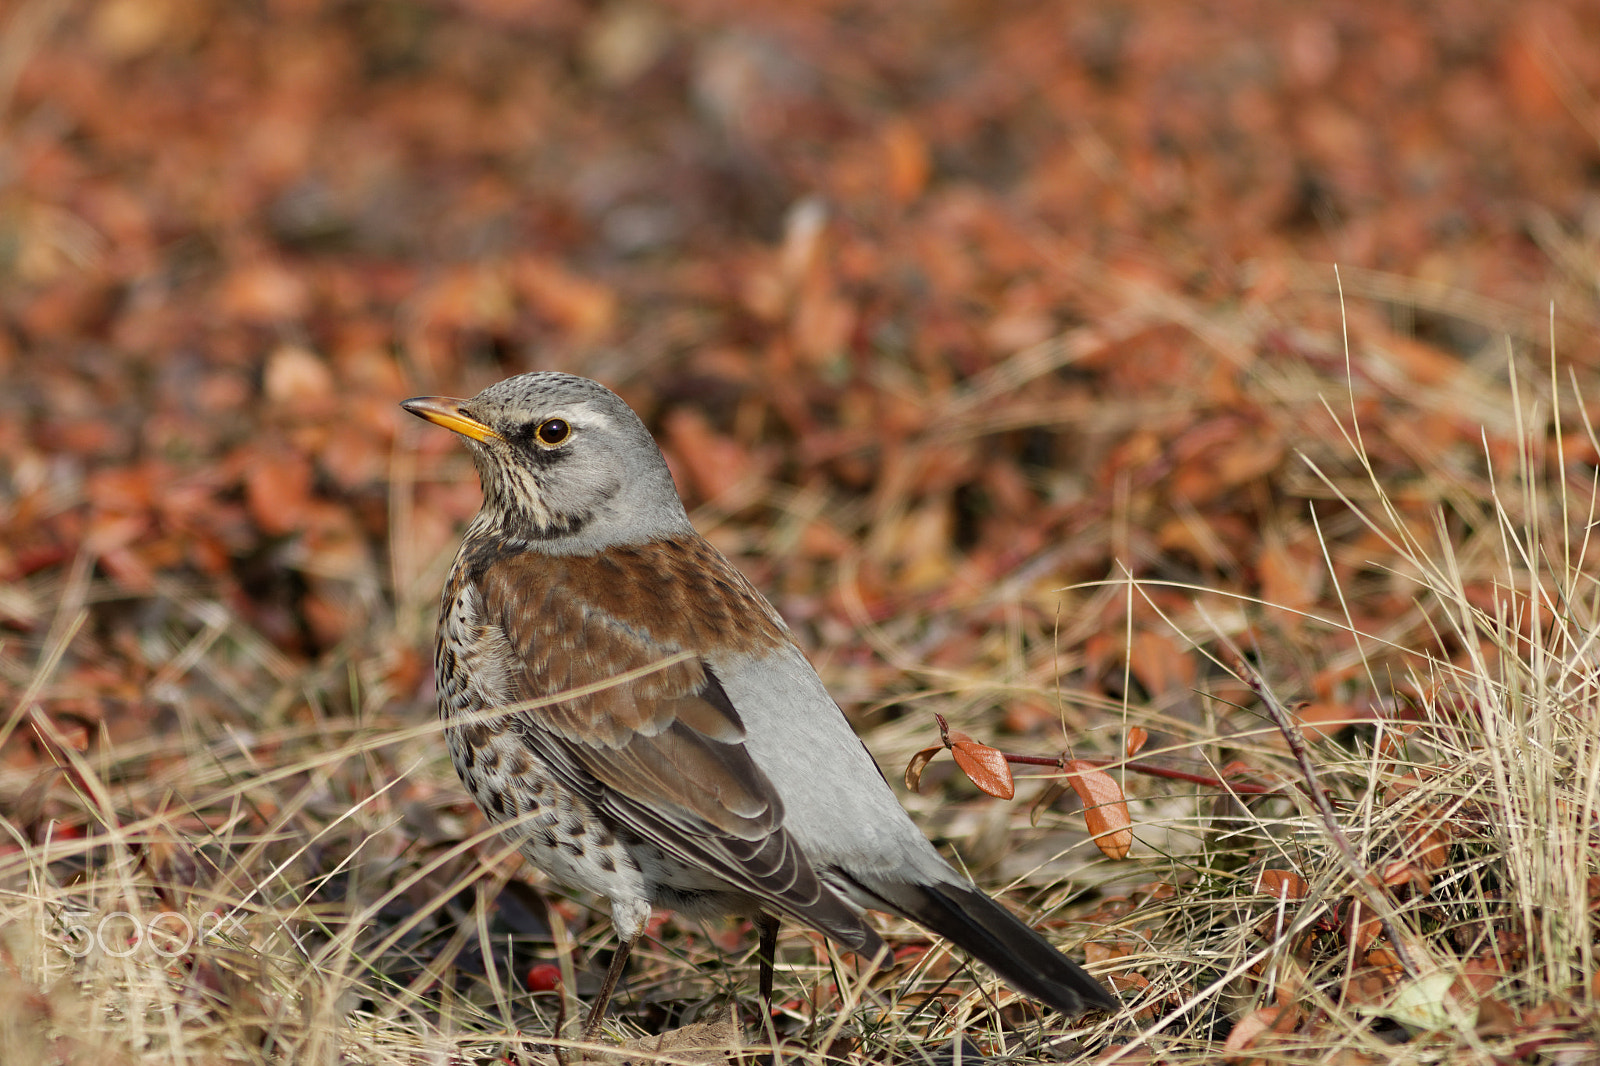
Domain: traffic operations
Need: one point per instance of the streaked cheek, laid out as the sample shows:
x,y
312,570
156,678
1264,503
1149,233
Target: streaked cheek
x,y
526,493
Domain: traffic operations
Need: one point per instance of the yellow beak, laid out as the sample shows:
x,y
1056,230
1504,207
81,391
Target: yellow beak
x,y
448,412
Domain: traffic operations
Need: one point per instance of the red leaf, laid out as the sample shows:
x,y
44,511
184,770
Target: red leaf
x,y
985,765
1105,808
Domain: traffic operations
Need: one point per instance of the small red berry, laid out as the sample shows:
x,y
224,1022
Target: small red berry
x,y
545,977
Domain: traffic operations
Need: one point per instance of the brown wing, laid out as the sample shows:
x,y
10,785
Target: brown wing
x,y
664,752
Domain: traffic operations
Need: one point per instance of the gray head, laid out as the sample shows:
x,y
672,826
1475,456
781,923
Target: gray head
x,y
566,466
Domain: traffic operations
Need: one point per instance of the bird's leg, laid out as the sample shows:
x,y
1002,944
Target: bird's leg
x,y
619,962
766,957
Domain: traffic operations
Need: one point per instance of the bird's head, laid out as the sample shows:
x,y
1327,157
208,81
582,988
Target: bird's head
x,y
566,466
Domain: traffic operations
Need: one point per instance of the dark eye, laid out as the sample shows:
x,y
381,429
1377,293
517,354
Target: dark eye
x,y
553,431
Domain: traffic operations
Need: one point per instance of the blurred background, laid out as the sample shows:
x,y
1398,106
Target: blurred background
x,y
951,318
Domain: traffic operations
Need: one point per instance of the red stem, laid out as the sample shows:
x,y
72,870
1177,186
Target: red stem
x,y
1149,770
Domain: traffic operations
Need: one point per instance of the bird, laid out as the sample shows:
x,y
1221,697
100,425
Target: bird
x,y
639,720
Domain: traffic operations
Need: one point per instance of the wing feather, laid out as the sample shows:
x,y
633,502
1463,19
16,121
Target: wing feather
x,y
663,753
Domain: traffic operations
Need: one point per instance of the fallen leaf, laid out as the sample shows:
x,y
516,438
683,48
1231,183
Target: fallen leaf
x,y
906,154
1427,832
714,464
1405,873
1283,884
278,491
1160,665
1251,1027
1291,577
1421,1003
297,377
583,307
264,292
1325,719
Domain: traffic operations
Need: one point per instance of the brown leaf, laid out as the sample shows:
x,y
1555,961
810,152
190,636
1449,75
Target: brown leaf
x,y
1137,737
1052,792
1024,715
1105,808
713,463
1404,783
467,297
1250,1029
277,490
986,766
1160,665
1322,719
1291,576
908,166
1405,873
1496,1017
1427,832
918,763
583,307
1363,931
28,811
1419,361
297,377
1283,884
264,292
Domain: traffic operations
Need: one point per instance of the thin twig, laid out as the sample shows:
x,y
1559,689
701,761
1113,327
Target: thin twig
x,y
1135,766
1353,864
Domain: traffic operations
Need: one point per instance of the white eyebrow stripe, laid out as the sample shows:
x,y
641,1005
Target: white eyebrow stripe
x,y
595,419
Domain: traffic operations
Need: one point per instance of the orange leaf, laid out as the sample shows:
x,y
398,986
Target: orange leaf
x,y
298,377
1160,665
1105,808
1249,1029
277,491
1291,577
1137,737
985,765
1325,719
1430,835
1281,883
918,763
906,154
264,293
1365,933
583,307
713,464
1386,962
1405,873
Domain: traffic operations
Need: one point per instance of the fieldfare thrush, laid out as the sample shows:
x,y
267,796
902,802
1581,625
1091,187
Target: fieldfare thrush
x,y
640,717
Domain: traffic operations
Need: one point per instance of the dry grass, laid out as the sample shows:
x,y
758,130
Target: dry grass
x,y
309,822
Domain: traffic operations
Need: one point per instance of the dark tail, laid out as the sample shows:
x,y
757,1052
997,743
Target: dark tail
x,y
971,920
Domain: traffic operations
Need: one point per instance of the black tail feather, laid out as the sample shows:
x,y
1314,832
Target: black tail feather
x,y
971,920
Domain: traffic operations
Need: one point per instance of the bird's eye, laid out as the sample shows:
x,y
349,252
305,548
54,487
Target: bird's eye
x,y
553,431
